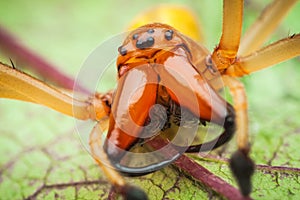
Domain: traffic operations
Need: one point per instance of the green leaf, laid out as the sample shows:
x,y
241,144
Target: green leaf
x,y
41,155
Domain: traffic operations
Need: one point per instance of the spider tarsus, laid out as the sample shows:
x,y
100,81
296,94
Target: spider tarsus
x,y
133,193
242,168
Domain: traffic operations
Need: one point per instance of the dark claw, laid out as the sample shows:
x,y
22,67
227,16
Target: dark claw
x,y
242,168
133,193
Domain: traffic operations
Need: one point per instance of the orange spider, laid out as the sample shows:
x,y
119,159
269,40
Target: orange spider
x,y
157,65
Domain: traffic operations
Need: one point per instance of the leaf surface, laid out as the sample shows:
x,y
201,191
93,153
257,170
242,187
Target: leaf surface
x,y
41,156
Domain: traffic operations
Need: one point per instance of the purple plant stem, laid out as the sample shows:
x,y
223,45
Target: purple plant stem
x,y
10,45
201,174
208,179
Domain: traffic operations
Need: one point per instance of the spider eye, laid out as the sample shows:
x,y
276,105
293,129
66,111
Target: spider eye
x,y
142,44
135,36
122,50
169,34
150,31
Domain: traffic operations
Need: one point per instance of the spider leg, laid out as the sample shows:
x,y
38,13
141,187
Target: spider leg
x,y
12,47
241,165
225,53
118,182
265,24
238,93
272,54
101,157
15,84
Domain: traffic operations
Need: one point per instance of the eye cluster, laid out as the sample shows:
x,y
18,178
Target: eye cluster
x,y
144,43
149,41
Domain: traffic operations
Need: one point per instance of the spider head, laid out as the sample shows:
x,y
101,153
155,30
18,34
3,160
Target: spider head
x,y
145,44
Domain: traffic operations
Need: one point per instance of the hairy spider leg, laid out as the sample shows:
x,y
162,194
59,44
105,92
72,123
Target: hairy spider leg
x,y
265,24
230,65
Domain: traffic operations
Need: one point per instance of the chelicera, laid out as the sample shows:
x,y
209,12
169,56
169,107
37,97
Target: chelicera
x,y
155,60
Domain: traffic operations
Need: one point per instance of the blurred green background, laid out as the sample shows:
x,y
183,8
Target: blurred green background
x,y
39,150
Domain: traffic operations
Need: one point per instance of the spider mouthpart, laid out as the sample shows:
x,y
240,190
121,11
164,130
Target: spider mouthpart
x,y
242,168
133,193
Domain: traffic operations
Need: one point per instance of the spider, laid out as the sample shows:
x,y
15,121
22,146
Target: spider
x,y
158,56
